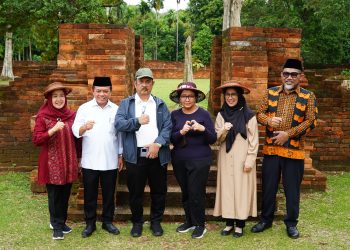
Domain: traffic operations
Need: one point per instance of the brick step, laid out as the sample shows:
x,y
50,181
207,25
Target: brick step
x,y
122,213
171,179
171,214
173,197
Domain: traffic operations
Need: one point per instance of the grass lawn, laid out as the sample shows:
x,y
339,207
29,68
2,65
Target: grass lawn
x,y
4,82
324,224
163,87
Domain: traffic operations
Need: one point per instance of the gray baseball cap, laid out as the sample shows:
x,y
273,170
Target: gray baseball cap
x,y
144,72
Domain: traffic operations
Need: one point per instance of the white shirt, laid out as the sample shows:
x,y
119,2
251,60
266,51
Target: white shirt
x,y
147,133
101,144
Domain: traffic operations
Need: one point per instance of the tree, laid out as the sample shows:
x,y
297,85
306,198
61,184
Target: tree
x,y
14,14
157,5
202,45
325,25
232,14
177,29
52,13
208,12
114,10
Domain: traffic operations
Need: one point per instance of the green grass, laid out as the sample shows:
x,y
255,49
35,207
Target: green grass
x,y
4,82
163,87
324,224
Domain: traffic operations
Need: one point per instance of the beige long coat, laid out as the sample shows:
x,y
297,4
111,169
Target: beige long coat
x,y
236,196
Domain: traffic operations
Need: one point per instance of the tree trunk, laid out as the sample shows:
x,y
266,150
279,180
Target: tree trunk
x,y
188,73
156,54
177,30
235,17
226,18
232,14
7,65
30,50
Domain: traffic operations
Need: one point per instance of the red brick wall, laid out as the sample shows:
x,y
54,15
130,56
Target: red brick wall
x,y
85,51
332,137
173,70
18,102
22,67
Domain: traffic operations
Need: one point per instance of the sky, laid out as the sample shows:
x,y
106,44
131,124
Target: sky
x,y
168,4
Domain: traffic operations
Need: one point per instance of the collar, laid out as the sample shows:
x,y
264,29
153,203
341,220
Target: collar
x,y
94,103
138,99
280,89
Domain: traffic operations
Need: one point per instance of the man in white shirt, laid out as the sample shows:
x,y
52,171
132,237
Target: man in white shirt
x,y
146,125
101,154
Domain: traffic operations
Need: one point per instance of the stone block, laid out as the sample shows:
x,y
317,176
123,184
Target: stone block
x,y
35,187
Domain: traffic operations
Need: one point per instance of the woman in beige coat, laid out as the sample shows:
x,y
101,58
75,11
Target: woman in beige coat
x,y
237,136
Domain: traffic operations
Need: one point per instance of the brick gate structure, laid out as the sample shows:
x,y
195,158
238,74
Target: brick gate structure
x,y
254,57
250,55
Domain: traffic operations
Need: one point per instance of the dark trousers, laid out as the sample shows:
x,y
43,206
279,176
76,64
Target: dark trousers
x,y
137,175
239,223
58,197
107,180
292,174
192,176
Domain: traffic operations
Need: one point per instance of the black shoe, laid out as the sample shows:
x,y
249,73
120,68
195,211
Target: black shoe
x,y
57,235
226,232
184,228
136,230
156,229
198,232
293,232
110,228
237,234
261,226
66,229
89,229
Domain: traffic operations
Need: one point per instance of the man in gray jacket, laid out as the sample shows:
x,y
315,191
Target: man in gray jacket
x,y
145,123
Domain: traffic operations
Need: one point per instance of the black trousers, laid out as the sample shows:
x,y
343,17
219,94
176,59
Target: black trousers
x,y
107,180
239,223
292,175
137,175
192,176
58,197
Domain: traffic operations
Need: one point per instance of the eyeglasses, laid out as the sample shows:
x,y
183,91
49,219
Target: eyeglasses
x,y
231,95
286,74
189,97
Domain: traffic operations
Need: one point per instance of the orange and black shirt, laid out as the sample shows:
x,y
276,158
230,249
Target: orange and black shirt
x,y
298,111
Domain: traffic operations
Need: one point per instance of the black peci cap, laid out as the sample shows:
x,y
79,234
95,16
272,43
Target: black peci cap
x,y
293,64
102,81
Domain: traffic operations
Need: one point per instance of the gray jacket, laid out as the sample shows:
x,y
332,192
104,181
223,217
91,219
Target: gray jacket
x,y
128,124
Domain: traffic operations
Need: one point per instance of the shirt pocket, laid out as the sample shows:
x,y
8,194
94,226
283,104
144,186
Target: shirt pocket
x,y
111,127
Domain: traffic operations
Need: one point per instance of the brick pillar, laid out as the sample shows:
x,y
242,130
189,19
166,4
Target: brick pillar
x,y
110,52
244,59
215,75
281,43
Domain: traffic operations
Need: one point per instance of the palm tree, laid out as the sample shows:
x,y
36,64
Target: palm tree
x,y
177,29
157,5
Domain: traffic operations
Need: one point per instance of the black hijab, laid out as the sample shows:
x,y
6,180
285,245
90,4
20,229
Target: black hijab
x,y
239,115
